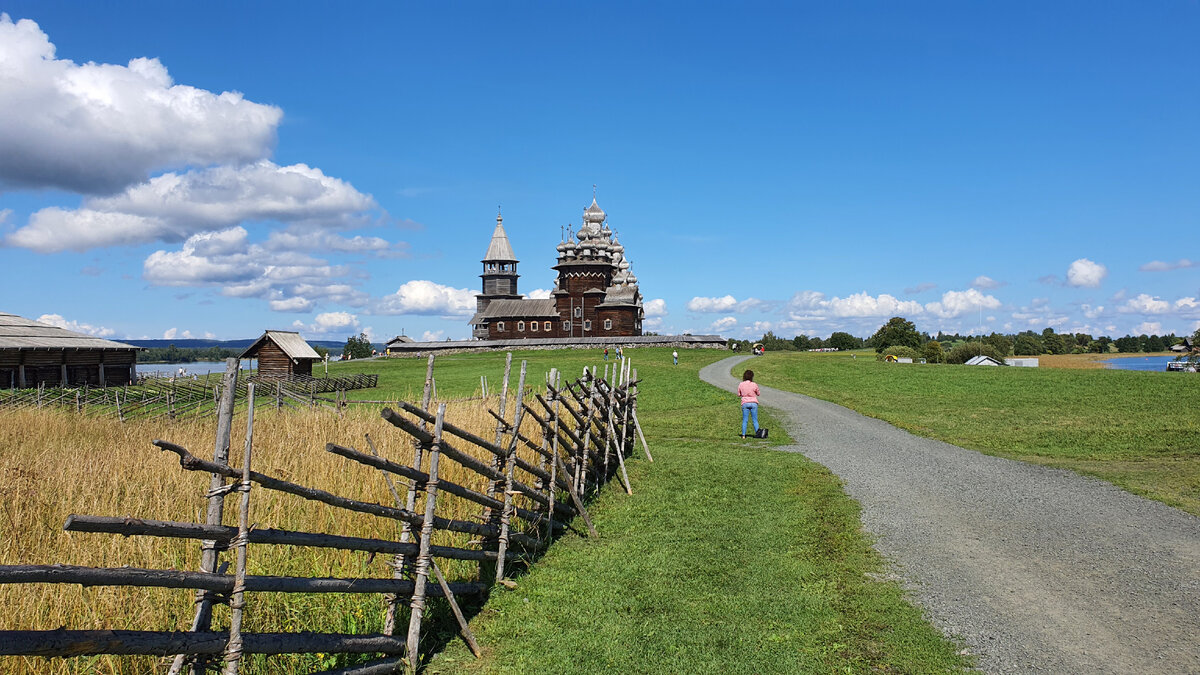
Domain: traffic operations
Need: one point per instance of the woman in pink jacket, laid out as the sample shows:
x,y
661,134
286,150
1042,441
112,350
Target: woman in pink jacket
x,y
748,391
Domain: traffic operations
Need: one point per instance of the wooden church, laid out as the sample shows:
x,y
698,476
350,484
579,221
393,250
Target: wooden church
x,y
595,294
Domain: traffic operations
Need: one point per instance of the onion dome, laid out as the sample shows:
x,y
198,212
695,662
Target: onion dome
x,y
593,213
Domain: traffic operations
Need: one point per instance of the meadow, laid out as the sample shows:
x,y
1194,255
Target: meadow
x,y
1137,430
729,556
55,463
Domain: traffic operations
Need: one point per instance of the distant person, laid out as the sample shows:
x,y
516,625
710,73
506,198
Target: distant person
x,y
675,356
748,391
606,353
619,354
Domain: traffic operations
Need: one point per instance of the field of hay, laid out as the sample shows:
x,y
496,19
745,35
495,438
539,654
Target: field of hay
x,y
54,464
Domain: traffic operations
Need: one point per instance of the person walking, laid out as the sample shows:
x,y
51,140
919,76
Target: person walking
x,y
675,356
606,353
748,391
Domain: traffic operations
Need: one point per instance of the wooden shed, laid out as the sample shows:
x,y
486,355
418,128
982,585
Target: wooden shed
x,y
34,353
282,353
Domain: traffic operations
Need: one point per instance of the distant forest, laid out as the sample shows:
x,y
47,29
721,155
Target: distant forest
x,y
173,354
901,332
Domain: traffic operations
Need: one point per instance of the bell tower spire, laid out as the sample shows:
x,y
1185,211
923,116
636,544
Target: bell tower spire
x,y
499,274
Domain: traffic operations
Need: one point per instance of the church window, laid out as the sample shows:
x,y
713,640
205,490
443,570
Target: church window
x,y
500,326
547,327
533,326
587,325
566,326
578,312
520,326
608,324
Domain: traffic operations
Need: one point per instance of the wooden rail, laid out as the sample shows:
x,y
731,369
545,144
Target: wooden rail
x,y
538,481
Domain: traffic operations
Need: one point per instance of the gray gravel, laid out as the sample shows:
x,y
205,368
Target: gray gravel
x,y
1037,570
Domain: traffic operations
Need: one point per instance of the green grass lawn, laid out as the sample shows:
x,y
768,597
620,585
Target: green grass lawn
x,y
1135,429
729,556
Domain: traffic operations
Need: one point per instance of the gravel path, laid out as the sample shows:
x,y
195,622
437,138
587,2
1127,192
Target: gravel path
x,y
1038,570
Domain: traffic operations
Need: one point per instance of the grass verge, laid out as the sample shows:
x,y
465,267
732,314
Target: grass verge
x,y
729,557
1135,429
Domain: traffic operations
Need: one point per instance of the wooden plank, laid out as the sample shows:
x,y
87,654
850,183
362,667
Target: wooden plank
x,y
221,583
49,643
223,534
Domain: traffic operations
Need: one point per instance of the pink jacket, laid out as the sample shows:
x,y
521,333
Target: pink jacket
x,y
748,391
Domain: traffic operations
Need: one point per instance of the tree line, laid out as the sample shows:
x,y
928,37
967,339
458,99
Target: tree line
x,y
900,336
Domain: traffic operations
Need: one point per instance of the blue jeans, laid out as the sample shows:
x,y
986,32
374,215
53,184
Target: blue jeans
x,y
749,410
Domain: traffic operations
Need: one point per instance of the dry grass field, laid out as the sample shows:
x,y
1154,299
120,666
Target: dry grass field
x,y
55,463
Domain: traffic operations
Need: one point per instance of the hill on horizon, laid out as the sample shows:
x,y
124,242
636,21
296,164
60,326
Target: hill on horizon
x,y
202,343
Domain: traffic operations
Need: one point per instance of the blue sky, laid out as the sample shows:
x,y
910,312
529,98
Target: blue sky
x,y
217,169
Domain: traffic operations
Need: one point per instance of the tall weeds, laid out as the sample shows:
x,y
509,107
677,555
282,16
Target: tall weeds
x,y
53,464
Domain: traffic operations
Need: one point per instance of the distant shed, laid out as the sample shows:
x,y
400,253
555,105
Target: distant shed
x,y
983,360
281,353
34,353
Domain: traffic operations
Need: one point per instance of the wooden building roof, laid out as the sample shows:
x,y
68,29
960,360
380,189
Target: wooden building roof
x,y
289,341
523,308
17,332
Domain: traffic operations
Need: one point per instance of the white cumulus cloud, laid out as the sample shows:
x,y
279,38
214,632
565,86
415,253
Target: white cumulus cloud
x,y
292,304
539,294
1145,304
956,303
726,303
85,328
96,127
723,324
655,308
173,206
1086,274
420,296
331,324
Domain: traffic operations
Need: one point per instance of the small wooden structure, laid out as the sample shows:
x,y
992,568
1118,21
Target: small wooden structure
x,y
282,353
34,353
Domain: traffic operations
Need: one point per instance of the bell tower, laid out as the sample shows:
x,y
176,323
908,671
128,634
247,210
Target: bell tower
x,y
499,274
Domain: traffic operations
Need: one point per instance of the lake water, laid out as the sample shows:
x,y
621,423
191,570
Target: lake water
x,y
1158,363
193,368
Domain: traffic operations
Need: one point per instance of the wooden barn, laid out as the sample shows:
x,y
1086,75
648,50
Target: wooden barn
x,y
282,353
33,354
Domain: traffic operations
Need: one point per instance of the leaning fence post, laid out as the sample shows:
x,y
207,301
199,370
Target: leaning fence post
x,y
423,559
216,505
468,636
510,462
401,562
233,650
493,485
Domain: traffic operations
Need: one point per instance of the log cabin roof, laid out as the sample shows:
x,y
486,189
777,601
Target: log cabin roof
x,y
289,341
17,332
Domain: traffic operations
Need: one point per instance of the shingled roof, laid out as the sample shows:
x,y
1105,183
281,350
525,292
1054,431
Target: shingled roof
x,y
289,341
17,332
517,309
